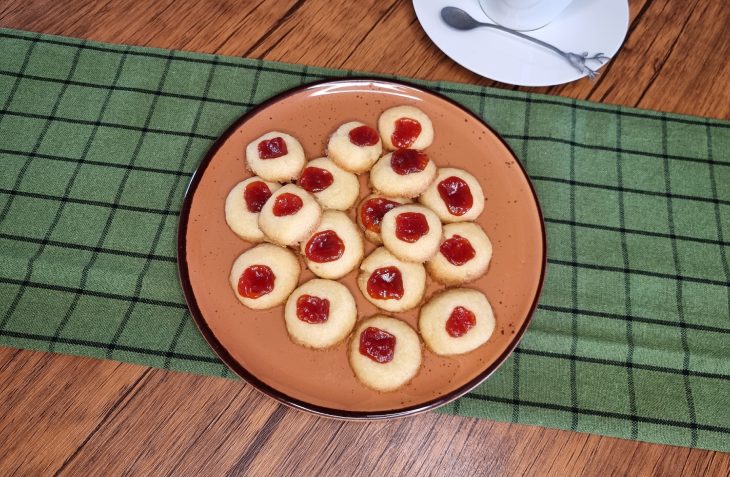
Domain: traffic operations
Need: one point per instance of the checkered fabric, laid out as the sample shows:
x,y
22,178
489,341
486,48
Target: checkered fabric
x,y
98,142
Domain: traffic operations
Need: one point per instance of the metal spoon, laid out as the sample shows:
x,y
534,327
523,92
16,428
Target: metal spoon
x,y
460,20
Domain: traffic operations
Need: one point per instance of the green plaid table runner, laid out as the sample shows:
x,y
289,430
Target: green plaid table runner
x,y
97,143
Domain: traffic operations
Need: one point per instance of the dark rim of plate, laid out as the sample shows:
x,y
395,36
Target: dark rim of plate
x,y
241,371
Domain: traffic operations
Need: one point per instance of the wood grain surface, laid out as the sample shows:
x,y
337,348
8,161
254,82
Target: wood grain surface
x,y
63,415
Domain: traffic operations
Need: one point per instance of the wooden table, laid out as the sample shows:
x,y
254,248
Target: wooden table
x,y
76,416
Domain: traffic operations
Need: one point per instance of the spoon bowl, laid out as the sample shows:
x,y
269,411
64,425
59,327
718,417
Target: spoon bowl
x,y
459,19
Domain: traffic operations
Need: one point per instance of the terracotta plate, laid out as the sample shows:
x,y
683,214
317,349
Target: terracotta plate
x,y
255,344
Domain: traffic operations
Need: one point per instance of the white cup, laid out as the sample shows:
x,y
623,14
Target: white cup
x,y
523,15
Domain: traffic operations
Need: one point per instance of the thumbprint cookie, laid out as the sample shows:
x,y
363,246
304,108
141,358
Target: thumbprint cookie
x,y
385,353
463,255
320,313
411,232
264,276
389,283
403,173
405,127
335,248
456,321
290,215
275,157
355,147
455,196
332,186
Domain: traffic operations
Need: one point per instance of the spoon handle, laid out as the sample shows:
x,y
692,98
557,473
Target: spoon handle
x,y
526,37
576,60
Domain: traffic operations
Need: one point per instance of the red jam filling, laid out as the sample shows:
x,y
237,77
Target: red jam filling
x,y
385,283
406,132
313,309
377,344
456,194
460,322
408,161
457,250
325,246
373,210
256,281
287,204
256,194
363,136
272,148
411,226
315,179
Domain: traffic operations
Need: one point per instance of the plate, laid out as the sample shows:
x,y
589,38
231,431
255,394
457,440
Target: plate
x,y
593,26
255,344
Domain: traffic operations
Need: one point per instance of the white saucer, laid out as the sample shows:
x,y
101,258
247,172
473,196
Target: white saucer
x,y
593,26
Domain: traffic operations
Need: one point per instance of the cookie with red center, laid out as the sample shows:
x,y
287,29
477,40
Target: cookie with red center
x,y
456,321
405,127
389,283
455,196
411,232
335,248
370,213
332,186
243,204
264,276
320,313
463,254
275,157
403,173
385,353
355,147
290,215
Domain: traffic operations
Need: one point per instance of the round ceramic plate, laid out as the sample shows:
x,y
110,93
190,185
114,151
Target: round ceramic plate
x,y
593,26
255,344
